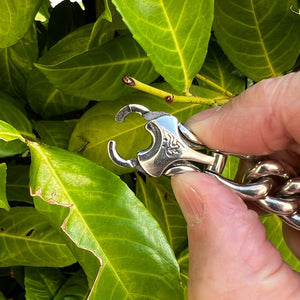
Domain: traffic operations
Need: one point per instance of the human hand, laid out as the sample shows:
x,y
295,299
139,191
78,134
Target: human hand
x,y
230,257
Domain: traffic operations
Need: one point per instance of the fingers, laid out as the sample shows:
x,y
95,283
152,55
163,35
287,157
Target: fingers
x,y
230,257
262,120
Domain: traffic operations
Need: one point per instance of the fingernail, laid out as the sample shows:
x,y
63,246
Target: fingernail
x,y
201,116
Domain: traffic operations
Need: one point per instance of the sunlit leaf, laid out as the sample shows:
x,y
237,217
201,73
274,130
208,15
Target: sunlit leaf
x,y
174,34
273,227
42,283
33,240
76,288
16,62
3,198
97,126
157,196
105,221
16,17
96,74
261,38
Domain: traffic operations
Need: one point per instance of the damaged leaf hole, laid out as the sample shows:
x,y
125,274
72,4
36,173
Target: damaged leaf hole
x,y
29,233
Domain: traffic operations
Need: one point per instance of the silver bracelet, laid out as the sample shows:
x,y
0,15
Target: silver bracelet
x,y
268,183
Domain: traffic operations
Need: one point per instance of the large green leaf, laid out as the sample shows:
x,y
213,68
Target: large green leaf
x,y
220,70
273,226
33,240
42,283
174,33
107,221
157,196
97,126
16,17
16,62
261,38
75,288
55,133
3,198
42,96
96,74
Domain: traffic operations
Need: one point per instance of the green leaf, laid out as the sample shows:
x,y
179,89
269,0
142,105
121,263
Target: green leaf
x,y
17,183
96,74
103,10
42,96
2,297
11,133
75,288
44,11
65,18
3,199
97,126
273,226
42,283
14,116
183,261
33,240
48,101
220,70
55,133
104,30
16,17
71,45
174,34
16,62
231,167
107,220
261,38
158,198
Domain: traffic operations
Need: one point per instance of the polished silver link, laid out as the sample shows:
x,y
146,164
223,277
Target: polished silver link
x,y
284,200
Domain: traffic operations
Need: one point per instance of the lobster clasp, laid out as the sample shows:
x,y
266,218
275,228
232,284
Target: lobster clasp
x,y
172,147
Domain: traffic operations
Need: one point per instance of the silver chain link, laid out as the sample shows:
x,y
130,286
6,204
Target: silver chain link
x,y
282,195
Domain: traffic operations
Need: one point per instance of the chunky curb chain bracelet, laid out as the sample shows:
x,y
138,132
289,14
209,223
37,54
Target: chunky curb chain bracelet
x,y
268,183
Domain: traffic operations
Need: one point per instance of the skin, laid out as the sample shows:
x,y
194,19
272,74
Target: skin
x,y
230,257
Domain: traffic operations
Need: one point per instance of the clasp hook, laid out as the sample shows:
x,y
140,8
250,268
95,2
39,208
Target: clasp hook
x,y
171,150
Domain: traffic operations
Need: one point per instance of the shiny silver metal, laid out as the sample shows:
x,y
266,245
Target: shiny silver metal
x,y
171,147
269,183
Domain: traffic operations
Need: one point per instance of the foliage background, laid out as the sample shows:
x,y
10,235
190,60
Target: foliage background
x,y
72,224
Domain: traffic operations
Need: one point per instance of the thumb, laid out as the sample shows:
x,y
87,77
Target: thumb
x,y
261,120
229,252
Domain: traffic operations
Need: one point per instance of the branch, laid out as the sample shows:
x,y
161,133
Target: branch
x,y
170,98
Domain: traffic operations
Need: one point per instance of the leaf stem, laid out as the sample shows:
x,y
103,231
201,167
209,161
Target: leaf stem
x,y
170,98
216,86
